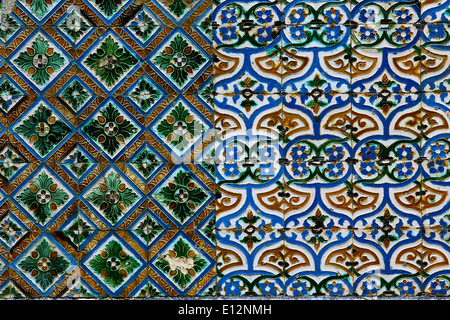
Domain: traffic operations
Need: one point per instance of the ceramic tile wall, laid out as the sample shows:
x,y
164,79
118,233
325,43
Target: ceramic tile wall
x,y
334,130
187,148
106,111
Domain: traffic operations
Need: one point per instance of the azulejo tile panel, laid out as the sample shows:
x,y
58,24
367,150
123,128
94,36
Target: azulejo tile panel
x,y
175,148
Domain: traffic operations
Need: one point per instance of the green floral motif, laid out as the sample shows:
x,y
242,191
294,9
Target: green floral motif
x,y
110,61
316,233
110,129
207,94
114,264
10,26
39,7
74,26
250,238
316,93
178,7
210,229
11,232
8,229
247,84
43,197
9,94
148,291
205,26
153,292
108,7
208,162
43,130
75,95
84,293
142,25
179,60
44,264
212,291
148,229
385,105
145,95
40,61
78,231
10,292
182,195
112,197
180,127
78,163
146,163
182,263
385,83
9,163
386,238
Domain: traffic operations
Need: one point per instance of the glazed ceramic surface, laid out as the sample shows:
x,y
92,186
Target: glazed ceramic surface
x,y
155,148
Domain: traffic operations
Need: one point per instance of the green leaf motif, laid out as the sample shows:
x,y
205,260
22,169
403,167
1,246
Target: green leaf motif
x,y
112,197
250,220
44,264
75,95
113,264
153,292
8,92
180,127
316,240
8,230
40,61
146,163
145,95
384,83
39,7
248,104
9,163
74,26
386,239
43,130
43,197
207,94
108,7
4,235
10,292
181,263
182,196
210,229
9,27
78,163
208,162
110,61
148,229
205,25
247,83
387,218
144,26
110,129
316,82
177,7
179,60
78,168
78,231
250,240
